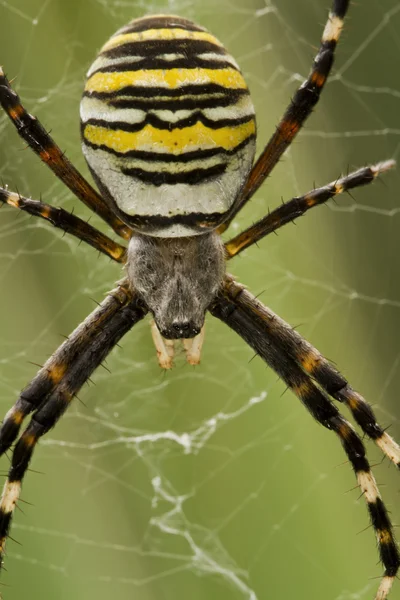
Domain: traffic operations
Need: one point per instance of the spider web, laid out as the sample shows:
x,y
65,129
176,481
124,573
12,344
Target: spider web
x,y
208,482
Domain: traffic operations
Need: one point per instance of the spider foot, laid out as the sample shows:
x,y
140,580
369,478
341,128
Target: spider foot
x,y
384,588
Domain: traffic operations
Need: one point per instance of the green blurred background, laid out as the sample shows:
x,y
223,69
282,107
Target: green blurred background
x,y
262,504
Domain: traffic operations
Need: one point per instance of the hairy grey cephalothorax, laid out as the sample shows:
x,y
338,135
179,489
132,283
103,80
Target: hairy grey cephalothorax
x,y
177,279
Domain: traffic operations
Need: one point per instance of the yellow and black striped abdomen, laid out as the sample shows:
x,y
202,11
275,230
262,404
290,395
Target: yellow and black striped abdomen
x,y
168,126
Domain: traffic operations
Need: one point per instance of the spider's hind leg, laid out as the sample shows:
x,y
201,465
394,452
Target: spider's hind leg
x,y
299,109
39,140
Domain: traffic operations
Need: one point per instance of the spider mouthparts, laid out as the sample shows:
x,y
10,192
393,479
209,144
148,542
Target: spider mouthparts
x,y
181,330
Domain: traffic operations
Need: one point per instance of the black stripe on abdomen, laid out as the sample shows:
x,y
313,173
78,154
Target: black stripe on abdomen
x,y
154,92
157,123
155,47
192,62
184,102
160,22
184,177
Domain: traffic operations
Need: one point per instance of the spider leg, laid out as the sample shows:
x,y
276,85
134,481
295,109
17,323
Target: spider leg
x,y
314,364
248,319
56,367
65,373
66,221
37,138
298,206
301,106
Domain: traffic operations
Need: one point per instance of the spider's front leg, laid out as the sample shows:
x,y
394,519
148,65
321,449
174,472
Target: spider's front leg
x,y
56,384
296,363
315,364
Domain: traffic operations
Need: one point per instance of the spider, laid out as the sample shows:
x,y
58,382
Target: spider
x,y
168,131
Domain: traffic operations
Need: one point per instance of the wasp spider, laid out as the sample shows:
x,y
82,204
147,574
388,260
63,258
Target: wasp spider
x,y
168,131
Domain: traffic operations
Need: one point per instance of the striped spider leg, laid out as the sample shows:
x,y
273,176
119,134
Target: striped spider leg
x,y
54,387
37,138
299,109
67,222
313,380
311,360
298,206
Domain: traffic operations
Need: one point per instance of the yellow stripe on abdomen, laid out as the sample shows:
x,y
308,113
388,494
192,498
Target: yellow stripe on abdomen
x,y
177,141
161,35
168,78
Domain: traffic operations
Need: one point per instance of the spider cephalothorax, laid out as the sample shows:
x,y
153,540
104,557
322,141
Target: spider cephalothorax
x,y
168,130
177,278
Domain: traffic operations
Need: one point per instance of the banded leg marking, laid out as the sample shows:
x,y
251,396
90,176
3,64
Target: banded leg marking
x,y
37,138
106,335
250,321
66,221
317,366
301,106
298,206
55,368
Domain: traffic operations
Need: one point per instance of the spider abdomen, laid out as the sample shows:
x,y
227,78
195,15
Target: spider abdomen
x,y
168,126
